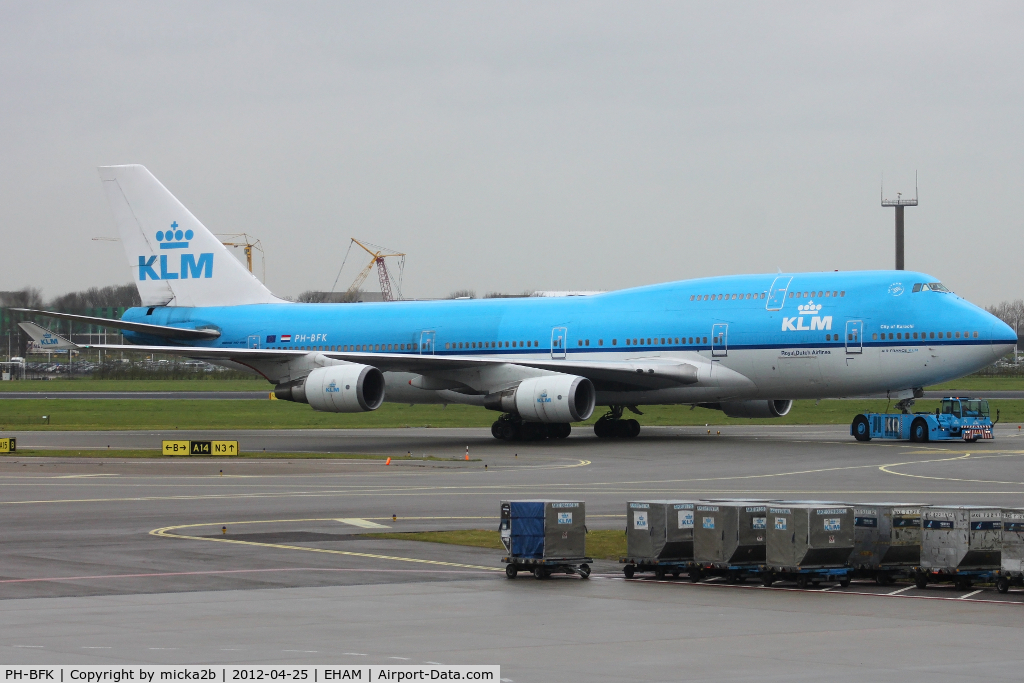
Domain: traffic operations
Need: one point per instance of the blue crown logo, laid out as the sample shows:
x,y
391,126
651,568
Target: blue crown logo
x,y
172,239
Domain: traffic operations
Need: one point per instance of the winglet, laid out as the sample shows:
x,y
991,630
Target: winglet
x,y
48,341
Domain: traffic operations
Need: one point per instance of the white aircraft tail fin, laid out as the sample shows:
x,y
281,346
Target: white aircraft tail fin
x,y
174,259
48,341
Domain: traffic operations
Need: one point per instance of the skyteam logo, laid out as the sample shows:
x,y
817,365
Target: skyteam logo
x,y
188,266
807,311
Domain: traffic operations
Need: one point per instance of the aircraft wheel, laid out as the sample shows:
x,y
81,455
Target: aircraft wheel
x,y
496,430
634,428
861,429
919,431
604,429
562,430
509,431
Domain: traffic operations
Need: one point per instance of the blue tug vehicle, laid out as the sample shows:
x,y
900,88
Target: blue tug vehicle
x,y
957,418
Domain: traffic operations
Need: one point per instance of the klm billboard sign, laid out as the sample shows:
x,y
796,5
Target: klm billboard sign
x,y
189,265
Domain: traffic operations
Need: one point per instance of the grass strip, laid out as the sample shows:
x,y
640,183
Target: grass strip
x,y
155,414
604,544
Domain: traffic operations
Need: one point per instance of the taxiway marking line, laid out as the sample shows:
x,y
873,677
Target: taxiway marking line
x,y
233,571
964,457
167,532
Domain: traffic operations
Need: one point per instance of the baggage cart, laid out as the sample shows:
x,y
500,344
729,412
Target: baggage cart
x,y
659,537
959,545
1011,561
808,543
729,539
887,541
544,537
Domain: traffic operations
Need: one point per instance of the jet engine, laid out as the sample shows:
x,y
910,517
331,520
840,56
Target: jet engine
x,y
755,408
552,398
350,388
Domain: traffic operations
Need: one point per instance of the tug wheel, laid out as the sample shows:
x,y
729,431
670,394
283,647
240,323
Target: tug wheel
x,y
919,431
861,429
628,571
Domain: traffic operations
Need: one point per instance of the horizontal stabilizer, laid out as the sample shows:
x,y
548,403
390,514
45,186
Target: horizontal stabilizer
x,y
47,340
164,331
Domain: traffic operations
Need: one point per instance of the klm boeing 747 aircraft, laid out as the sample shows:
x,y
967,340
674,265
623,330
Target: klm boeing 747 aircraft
x,y
747,345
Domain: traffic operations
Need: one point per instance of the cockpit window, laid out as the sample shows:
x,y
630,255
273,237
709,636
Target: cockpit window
x,y
933,287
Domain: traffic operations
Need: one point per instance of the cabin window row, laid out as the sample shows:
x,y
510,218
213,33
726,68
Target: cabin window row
x,y
820,295
727,297
925,335
492,345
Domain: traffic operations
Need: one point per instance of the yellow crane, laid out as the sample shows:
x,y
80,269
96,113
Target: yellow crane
x,y
247,243
377,255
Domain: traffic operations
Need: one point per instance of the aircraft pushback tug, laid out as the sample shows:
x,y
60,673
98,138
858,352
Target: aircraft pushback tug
x,y
745,344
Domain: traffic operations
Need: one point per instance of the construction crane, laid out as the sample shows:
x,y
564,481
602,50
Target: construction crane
x,y
247,243
377,254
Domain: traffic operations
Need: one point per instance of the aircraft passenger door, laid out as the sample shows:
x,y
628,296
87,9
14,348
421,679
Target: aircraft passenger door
x,y
427,342
777,294
254,341
559,335
720,340
854,334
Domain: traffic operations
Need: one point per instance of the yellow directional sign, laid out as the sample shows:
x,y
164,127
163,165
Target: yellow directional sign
x,y
8,445
200,447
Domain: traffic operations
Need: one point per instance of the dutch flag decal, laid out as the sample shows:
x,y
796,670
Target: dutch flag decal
x,y
286,337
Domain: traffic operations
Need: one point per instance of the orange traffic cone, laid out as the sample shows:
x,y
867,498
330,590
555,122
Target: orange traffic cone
x,y
388,461
467,452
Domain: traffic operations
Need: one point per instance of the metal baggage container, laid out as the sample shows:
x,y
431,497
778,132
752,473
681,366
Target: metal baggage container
x,y
729,534
887,536
660,529
958,538
806,536
544,529
1011,551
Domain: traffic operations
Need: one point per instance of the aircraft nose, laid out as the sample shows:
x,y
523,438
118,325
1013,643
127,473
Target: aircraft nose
x,y
1004,339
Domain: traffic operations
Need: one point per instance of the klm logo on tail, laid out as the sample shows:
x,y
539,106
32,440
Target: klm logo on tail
x,y
189,265
808,310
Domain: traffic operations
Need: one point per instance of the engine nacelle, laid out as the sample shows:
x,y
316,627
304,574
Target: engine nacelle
x,y
756,408
552,398
337,389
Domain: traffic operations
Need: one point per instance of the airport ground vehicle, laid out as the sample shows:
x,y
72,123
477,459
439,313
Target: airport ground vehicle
x,y
544,537
959,417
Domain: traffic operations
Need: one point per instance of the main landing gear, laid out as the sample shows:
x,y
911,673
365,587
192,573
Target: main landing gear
x,y
611,425
512,428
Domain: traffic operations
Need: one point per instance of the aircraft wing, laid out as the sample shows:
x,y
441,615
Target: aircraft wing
x,y
145,328
639,373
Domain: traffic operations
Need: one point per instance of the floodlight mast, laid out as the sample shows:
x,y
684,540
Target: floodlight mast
x,y
899,203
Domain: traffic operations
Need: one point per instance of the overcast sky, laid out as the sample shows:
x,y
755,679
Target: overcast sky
x,y
513,146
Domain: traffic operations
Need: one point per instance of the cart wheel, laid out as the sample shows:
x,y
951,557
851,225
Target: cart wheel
x,y
675,574
802,581
1003,584
844,582
694,575
511,571
628,571
921,581
539,573
883,579
963,584
767,579
584,571
659,573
